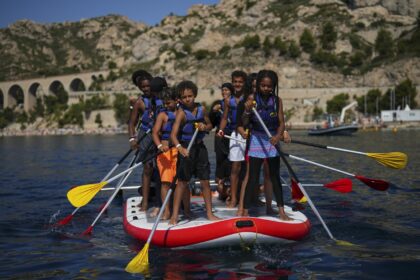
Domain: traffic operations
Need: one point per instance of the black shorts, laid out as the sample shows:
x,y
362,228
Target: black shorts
x,y
223,165
147,147
197,164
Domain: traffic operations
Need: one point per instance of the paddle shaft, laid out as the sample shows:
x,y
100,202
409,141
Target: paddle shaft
x,y
327,147
119,185
234,139
168,195
293,174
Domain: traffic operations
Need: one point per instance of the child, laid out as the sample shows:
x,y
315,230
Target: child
x,y
221,144
270,107
166,161
228,125
146,108
195,162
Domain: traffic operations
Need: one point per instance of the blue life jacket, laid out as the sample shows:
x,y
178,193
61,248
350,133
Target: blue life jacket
x,y
268,112
167,128
233,109
188,129
153,106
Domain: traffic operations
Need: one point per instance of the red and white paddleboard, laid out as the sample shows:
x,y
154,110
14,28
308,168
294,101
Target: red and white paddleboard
x,y
202,233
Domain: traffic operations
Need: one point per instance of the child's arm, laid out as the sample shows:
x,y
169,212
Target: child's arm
x,y
160,120
179,119
138,108
280,130
223,122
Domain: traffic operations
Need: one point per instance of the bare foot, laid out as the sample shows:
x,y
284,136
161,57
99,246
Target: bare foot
x,y
173,221
166,215
212,217
245,213
154,212
283,216
232,204
240,212
189,215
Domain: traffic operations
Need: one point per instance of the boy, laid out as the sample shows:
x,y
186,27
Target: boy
x,y
196,161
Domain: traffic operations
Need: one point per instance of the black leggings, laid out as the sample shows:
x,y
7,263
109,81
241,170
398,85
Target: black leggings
x,y
254,178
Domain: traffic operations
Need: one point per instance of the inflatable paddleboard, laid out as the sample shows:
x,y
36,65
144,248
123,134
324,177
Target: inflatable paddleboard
x,y
231,230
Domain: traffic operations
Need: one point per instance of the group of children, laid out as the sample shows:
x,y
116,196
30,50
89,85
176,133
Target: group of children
x,y
166,120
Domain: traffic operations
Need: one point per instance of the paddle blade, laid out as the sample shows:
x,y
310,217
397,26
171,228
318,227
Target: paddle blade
x,y
376,184
88,231
297,195
81,195
65,220
344,243
395,160
140,263
341,185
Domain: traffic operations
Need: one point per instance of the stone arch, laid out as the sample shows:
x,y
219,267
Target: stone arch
x,y
55,87
35,90
1,100
16,96
77,85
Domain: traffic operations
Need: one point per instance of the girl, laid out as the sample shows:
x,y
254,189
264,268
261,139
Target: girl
x,y
270,107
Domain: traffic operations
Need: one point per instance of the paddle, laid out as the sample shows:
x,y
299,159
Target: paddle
x,y
376,184
234,139
395,160
111,198
67,219
81,195
295,178
140,263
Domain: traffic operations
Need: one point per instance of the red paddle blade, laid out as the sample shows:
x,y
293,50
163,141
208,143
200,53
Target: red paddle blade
x,y
297,195
88,231
65,220
341,185
376,184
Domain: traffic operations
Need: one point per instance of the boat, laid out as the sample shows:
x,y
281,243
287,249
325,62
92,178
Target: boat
x,y
334,126
334,130
202,233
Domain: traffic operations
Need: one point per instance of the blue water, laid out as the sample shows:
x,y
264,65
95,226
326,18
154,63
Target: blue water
x,y
36,173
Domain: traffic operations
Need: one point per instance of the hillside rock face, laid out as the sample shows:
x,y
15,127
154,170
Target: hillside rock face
x,y
211,41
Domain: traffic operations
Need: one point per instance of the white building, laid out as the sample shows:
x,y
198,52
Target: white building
x,y
406,115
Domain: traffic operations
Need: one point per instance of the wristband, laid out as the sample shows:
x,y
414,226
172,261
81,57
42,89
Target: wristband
x,y
159,146
247,113
178,145
132,139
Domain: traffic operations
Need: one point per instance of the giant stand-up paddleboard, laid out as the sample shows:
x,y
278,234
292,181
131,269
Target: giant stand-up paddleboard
x,y
202,233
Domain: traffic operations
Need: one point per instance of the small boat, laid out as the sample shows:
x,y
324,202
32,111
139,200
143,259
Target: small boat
x,y
202,233
335,130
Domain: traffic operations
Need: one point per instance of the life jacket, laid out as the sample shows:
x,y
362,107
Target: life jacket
x,y
153,106
167,128
188,129
268,112
233,109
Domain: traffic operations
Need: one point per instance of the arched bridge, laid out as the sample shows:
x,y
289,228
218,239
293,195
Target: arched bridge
x,y
25,92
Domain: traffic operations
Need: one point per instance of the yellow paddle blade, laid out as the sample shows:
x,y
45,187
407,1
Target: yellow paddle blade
x,y
303,200
140,263
344,243
81,195
395,160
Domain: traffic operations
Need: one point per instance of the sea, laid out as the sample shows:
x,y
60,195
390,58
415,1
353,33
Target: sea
x,y
383,227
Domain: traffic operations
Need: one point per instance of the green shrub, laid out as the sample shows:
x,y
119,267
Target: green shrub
x,y
336,104
201,54
121,108
294,50
251,42
74,115
307,41
384,44
317,112
98,120
328,36
280,45
373,97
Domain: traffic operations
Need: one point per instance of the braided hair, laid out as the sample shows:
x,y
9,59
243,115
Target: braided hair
x,y
140,75
272,76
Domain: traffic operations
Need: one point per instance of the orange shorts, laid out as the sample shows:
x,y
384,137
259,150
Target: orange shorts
x,y
166,163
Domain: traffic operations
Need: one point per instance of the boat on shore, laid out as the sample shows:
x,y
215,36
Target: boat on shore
x,y
345,130
231,230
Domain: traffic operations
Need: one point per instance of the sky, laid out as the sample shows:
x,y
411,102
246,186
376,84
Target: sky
x,y
48,11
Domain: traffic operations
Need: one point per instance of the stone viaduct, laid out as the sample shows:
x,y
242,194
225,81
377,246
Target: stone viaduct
x,y
25,92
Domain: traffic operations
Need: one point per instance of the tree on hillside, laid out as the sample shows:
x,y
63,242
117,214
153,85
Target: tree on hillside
x,y
405,93
373,98
328,36
384,44
307,41
280,45
337,103
294,50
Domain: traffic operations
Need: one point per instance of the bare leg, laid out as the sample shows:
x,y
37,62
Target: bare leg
x,y
234,180
179,192
283,216
163,193
205,185
242,194
186,202
147,175
268,190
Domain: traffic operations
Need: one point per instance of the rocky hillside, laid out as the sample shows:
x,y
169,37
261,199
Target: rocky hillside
x,y
310,43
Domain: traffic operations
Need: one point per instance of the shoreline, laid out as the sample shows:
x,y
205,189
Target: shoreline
x,y
12,132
